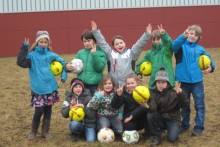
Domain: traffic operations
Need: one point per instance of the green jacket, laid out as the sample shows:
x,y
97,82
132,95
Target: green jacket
x,y
93,65
159,56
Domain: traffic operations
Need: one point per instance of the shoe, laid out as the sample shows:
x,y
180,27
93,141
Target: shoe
x,y
156,140
182,130
196,132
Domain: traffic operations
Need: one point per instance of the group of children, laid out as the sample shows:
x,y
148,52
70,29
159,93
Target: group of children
x,y
108,101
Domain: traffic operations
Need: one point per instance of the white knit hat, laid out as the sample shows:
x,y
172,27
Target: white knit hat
x,y
161,75
42,34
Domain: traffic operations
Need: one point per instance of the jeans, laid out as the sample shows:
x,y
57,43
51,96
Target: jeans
x,y
77,128
197,90
110,122
156,123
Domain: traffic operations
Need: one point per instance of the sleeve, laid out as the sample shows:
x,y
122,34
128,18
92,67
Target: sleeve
x,y
139,45
94,102
65,109
153,104
212,62
140,110
64,72
22,59
99,61
117,101
176,44
167,42
183,101
144,59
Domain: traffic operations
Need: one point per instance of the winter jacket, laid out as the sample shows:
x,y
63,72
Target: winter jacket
x,y
42,81
168,103
103,105
90,114
131,107
93,66
159,56
121,63
187,56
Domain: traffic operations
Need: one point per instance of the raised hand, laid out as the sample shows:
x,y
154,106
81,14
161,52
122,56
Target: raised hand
x,y
93,25
26,40
186,32
177,88
149,29
162,31
93,49
120,89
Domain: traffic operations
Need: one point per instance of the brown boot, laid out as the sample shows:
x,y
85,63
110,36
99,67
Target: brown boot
x,y
45,129
34,128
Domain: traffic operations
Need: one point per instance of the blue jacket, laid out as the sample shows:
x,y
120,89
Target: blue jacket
x,y
187,56
42,81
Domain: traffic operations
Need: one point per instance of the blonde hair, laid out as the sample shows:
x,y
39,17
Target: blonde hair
x,y
36,43
133,76
197,29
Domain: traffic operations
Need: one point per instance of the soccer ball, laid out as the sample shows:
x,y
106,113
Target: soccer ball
x,y
56,68
130,137
204,62
76,113
146,68
141,94
78,65
106,135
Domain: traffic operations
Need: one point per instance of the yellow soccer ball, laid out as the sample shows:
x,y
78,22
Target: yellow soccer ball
x,y
76,113
56,68
146,68
204,62
141,94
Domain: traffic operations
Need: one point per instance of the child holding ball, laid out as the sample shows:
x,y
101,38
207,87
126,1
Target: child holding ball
x,y
79,97
42,82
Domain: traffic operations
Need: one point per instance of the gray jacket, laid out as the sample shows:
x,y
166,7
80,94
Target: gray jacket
x,y
121,63
90,114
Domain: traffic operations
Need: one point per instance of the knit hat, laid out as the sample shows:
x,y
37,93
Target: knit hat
x,y
74,82
42,34
161,75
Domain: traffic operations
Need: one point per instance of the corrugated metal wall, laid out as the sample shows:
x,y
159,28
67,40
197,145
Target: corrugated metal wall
x,y
14,6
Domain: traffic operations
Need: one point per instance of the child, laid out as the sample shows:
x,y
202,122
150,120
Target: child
x,y
164,108
94,61
108,117
133,112
79,97
187,52
159,55
42,82
122,59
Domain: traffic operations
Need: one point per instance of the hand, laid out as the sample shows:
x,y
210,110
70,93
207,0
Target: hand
x,y
208,70
144,104
186,32
93,49
128,119
79,105
119,118
162,31
69,66
177,88
149,29
120,89
26,40
94,26
140,78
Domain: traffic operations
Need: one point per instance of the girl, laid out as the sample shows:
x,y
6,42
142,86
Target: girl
x,y
42,82
133,112
79,97
121,59
108,117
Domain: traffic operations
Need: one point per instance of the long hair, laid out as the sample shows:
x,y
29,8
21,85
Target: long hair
x,y
104,80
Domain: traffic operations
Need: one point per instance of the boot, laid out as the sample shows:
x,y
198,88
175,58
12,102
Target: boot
x,y
45,129
34,128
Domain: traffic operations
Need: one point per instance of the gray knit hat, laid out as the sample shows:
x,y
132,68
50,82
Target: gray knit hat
x,y
161,75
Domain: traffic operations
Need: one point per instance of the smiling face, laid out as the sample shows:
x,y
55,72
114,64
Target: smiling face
x,y
77,89
44,43
108,85
131,83
119,45
193,37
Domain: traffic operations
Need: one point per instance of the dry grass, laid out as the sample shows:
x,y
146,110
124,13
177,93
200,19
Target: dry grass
x,y
16,114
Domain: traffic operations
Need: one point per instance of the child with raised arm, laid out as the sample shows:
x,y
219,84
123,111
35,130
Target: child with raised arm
x,y
42,82
159,55
122,59
79,97
187,52
94,61
108,117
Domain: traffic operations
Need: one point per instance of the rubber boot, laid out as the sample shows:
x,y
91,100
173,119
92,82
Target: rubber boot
x,y
34,128
45,129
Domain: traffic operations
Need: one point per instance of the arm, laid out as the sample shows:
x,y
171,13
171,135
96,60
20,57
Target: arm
x,y
22,61
99,61
144,59
66,105
95,101
117,101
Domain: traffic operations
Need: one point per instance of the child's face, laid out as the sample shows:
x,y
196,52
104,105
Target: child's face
x,y
44,43
192,37
88,43
77,89
108,86
156,41
119,45
161,85
131,83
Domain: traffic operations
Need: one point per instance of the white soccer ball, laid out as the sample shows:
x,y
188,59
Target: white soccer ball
x,y
106,135
130,137
78,65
